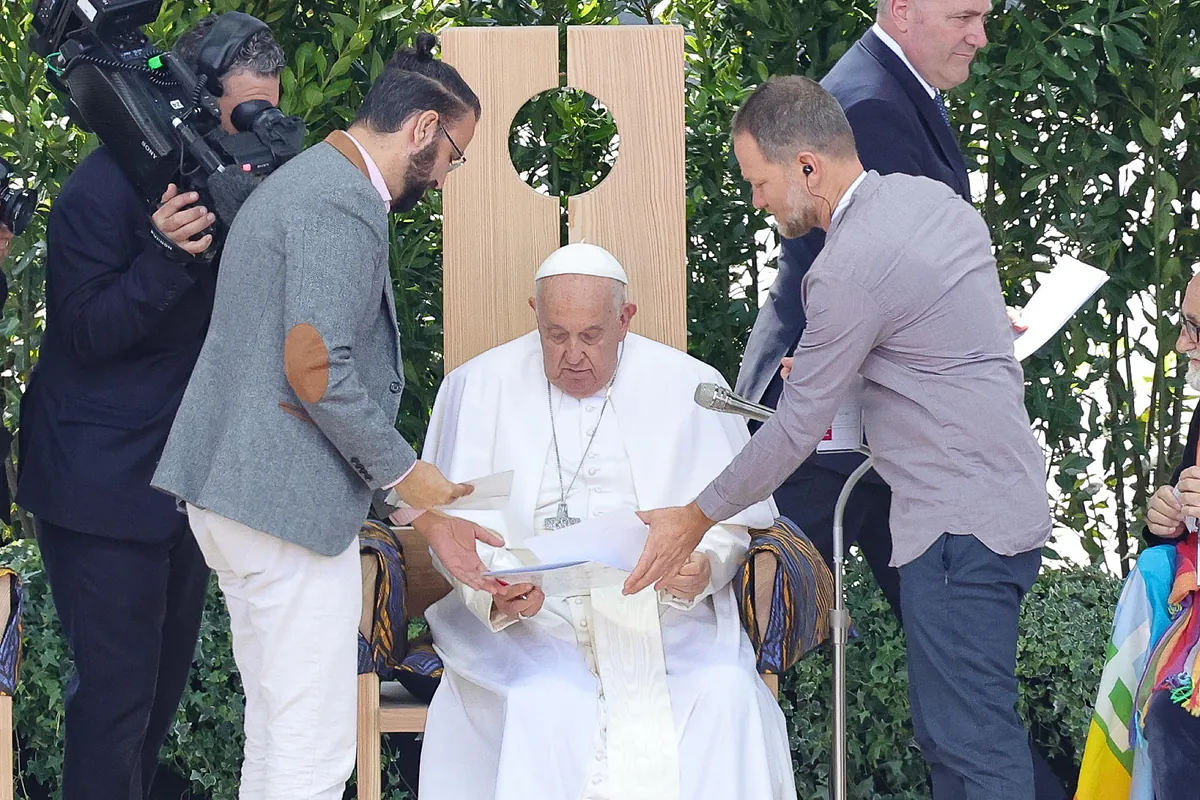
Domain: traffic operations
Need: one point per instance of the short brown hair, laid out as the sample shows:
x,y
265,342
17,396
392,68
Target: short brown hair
x,y
789,114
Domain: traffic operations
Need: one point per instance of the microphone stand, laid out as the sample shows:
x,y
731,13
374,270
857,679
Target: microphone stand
x,y
839,628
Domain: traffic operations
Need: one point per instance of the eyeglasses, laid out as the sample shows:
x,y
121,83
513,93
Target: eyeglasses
x,y
1192,329
455,163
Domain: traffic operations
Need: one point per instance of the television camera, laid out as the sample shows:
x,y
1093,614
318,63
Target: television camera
x,y
159,117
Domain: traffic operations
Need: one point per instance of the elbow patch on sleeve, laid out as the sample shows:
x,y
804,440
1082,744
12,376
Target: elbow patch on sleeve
x,y
306,362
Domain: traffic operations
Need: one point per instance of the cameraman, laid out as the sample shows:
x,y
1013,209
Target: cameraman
x,y
125,321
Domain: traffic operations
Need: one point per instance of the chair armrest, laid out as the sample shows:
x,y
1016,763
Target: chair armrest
x,y
785,595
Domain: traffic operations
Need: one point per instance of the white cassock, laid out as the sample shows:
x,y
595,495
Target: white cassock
x,y
603,697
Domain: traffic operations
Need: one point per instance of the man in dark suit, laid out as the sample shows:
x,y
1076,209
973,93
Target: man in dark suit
x,y
890,85
125,320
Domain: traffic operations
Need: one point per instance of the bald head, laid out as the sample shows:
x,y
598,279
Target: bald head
x,y
939,37
582,320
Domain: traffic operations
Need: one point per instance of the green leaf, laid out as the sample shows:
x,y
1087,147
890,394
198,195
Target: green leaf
x,y
1023,155
1150,131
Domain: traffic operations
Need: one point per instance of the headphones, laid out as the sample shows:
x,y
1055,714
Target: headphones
x,y
227,35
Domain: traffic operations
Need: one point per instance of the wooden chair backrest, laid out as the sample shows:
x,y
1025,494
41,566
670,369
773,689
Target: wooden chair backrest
x,y
497,230
425,584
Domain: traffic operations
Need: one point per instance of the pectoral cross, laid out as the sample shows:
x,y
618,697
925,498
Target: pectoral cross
x,y
561,520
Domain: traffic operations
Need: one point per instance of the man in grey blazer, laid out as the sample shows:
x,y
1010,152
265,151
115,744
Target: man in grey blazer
x,y
287,427
906,295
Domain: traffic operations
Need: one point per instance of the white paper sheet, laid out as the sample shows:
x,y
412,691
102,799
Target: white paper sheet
x,y
491,494
616,540
564,580
846,433
1060,293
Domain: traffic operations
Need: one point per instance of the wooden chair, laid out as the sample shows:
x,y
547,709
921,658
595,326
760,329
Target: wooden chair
x,y
497,231
387,707
8,617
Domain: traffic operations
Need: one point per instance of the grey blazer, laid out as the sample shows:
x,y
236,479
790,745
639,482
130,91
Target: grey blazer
x,y
288,422
906,295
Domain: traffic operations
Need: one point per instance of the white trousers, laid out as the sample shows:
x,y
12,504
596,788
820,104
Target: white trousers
x,y
294,617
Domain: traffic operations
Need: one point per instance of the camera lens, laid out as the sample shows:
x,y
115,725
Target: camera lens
x,y
16,209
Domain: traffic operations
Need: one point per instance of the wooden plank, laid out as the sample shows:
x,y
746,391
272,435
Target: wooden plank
x,y
496,229
425,584
639,211
772,682
399,711
369,759
6,748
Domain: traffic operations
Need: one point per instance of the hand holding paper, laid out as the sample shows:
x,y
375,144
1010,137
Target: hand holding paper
x,y
595,553
1060,294
487,493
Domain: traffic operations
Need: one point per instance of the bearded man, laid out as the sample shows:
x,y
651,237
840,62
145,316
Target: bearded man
x,y
651,696
287,427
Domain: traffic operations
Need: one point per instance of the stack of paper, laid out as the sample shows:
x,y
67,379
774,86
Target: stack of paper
x,y
595,553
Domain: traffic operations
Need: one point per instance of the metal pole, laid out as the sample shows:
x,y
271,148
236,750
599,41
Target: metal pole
x,y
839,628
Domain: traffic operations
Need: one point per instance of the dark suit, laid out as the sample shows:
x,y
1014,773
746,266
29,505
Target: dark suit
x,y
124,325
898,127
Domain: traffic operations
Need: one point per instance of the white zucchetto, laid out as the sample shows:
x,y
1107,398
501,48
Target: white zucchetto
x,y
582,259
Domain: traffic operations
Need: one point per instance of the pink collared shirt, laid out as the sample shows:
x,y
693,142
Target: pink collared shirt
x,y
373,173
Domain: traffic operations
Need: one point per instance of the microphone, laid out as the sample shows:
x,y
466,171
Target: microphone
x,y
718,398
229,189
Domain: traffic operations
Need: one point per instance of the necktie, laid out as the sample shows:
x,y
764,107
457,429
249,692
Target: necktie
x,y
937,98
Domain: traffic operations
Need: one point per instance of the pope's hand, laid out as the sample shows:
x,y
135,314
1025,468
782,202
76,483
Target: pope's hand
x,y
674,534
691,579
453,542
1016,319
520,600
785,367
426,487
1164,517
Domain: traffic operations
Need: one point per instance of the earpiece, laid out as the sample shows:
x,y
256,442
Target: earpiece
x,y
807,169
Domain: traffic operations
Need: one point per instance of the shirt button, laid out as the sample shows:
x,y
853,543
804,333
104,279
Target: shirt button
x,y
590,431
578,601
394,387
583,624
596,780
593,471
591,409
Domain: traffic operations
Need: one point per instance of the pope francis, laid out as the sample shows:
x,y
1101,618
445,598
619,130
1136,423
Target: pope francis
x,y
653,696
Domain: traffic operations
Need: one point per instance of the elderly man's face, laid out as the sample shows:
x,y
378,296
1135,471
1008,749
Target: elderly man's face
x,y
778,189
941,37
1187,344
582,324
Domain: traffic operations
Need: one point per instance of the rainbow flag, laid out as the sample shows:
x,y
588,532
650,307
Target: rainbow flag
x,y
1115,761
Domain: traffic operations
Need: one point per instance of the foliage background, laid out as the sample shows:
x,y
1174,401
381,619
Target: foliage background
x,y
1081,119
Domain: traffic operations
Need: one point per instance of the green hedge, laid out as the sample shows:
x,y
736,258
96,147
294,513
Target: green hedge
x,y
1065,625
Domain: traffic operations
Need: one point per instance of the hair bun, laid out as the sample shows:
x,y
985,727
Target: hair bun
x,y
424,46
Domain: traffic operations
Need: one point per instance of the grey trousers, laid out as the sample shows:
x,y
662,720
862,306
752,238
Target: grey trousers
x,y
961,602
